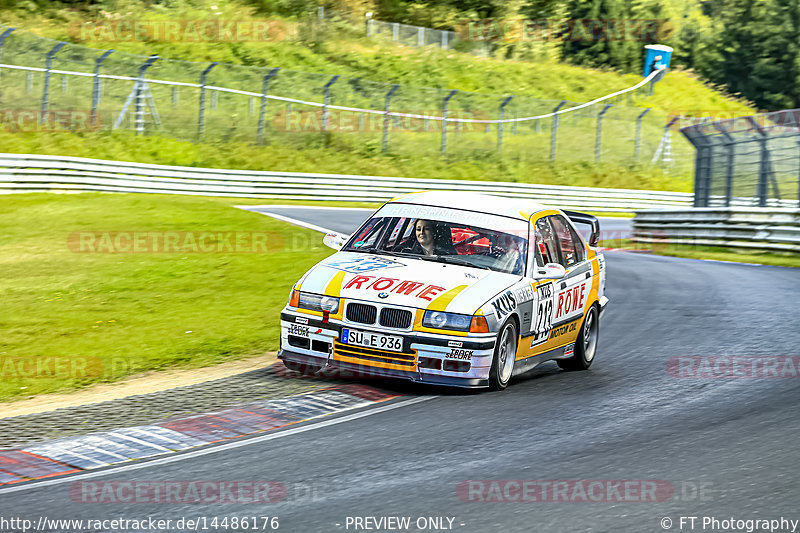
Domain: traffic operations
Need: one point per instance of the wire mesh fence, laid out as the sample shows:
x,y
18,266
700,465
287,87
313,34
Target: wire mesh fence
x,y
748,161
74,87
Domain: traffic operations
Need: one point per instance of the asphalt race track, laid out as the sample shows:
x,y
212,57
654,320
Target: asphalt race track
x,y
725,446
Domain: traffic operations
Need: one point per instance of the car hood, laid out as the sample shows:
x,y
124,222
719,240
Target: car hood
x,y
406,282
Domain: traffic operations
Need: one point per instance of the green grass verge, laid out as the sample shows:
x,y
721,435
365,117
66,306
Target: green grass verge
x,y
715,253
117,314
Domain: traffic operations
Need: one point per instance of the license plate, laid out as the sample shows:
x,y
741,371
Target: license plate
x,y
372,340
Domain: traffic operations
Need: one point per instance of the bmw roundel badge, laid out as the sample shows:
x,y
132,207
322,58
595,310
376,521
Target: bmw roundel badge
x,y
383,295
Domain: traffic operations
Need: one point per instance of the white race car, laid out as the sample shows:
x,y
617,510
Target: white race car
x,y
447,288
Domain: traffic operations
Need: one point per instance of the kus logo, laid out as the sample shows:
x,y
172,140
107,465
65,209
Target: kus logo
x,y
504,304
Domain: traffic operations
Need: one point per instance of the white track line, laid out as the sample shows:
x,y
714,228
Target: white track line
x,y
213,449
279,206
296,222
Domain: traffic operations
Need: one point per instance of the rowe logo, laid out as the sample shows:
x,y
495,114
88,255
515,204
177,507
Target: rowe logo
x,y
387,285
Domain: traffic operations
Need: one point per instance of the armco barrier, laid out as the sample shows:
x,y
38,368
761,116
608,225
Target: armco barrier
x,y
41,173
776,229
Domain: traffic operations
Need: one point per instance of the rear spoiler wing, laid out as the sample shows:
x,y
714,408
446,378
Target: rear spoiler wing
x,y
583,218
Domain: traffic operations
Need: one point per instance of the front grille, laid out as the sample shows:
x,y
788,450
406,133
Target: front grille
x,y
370,356
395,318
361,313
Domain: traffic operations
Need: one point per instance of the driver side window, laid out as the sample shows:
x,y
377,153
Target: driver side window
x,y
572,251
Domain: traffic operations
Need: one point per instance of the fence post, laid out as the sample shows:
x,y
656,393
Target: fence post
x,y
201,115
385,143
3,37
420,36
598,140
262,112
763,164
326,100
798,181
444,119
98,62
500,123
637,143
174,96
729,147
140,93
395,31
48,66
444,39
554,130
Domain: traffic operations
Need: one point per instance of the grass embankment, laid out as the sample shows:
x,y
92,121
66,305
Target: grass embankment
x,y
471,154
72,317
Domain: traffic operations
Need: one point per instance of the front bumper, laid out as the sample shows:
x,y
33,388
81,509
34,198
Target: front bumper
x,y
349,370
429,349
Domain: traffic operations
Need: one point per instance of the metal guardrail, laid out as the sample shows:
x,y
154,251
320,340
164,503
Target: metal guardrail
x,y
775,229
42,173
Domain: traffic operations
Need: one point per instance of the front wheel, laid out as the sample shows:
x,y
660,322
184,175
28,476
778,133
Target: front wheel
x,y
505,352
585,344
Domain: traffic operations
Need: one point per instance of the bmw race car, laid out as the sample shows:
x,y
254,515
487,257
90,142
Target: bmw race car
x,y
447,288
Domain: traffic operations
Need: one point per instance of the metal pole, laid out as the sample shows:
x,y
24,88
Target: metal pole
x,y
554,130
395,31
598,140
3,37
48,66
500,124
444,39
326,100
444,119
201,115
264,88
420,36
730,147
98,62
140,93
637,143
385,144
174,96
763,167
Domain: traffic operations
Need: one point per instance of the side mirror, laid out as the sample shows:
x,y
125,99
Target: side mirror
x,y
551,271
335,240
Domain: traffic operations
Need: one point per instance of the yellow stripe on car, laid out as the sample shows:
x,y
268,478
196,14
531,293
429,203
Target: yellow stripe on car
x,y
441,303
334,287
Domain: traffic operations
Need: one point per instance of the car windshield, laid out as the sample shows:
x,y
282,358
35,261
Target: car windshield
x,y
442,241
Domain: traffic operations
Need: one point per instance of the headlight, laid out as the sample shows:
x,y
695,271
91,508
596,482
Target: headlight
x,y
442,320
318,302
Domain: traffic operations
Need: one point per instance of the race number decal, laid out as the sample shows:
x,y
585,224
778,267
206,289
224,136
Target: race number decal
x,y
544,313
363,264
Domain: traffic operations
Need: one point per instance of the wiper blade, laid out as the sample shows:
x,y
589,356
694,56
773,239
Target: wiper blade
x,y
455,261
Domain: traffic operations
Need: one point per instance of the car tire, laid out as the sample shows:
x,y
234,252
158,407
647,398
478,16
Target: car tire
x,y
586,343
305,369
505,352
